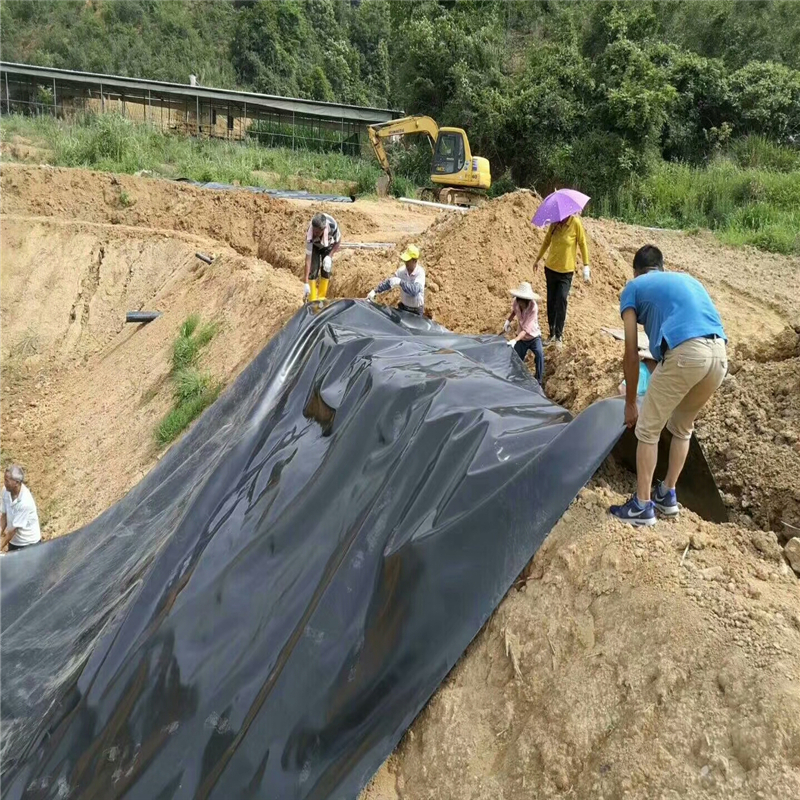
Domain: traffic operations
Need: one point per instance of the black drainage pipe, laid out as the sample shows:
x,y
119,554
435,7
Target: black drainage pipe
x,y
142,316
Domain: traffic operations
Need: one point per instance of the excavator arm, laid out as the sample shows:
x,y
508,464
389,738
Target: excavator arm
x,y
400,127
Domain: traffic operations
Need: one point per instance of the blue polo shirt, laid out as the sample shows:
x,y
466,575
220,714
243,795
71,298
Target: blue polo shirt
x,y
673,307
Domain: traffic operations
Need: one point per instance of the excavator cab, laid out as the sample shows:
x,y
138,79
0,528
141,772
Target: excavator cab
x,y
448,158
464,178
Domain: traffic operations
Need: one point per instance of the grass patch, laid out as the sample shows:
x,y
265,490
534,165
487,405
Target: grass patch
x,y
190,383
192,338
183,415
756,152
402,187
751,205
112,143
193,390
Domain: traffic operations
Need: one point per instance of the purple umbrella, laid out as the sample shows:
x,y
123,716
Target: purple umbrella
x,y
559,205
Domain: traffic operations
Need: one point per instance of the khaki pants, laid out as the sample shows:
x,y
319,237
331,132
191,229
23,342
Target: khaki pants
x,y
680,386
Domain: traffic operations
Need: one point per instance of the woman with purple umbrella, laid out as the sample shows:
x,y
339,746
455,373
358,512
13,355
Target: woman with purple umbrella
x,y
564,236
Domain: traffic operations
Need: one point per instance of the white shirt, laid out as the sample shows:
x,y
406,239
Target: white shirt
x,y
415,280
21,515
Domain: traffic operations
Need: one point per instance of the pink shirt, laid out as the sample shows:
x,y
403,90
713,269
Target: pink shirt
x,y
529,319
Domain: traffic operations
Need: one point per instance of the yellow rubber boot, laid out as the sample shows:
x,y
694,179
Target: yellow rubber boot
x,y
313,296
323,288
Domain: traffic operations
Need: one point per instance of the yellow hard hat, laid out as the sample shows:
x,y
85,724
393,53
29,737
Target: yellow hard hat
x,y
410,253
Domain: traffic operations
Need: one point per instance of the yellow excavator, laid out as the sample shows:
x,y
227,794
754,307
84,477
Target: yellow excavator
x,y
459,178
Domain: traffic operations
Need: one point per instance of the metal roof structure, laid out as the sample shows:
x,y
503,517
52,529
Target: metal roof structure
x,y
265,102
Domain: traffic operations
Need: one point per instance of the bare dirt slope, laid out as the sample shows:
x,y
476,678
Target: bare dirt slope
x,y
82,392
623,664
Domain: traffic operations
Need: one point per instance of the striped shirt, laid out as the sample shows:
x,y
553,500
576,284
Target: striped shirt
x,y
330,235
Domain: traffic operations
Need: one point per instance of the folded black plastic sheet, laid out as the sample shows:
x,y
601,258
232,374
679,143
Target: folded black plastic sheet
x,y
284,194
267,611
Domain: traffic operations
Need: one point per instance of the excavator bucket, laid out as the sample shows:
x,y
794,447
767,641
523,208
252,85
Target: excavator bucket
x,y
696,487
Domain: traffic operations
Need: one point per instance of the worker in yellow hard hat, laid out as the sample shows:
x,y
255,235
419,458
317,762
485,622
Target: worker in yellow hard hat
x,y
411,280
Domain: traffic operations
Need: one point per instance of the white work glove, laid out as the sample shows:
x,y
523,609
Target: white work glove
x,y
507,326
371,296
587,273
394,281
327,263
306,292
511,342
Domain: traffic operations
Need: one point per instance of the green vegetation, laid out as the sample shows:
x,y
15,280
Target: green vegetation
x,y
632,101
193,390
273,134
741,204
112,143
163,40
191,340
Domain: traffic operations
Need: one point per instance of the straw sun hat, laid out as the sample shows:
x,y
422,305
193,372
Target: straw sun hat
x,y
525,292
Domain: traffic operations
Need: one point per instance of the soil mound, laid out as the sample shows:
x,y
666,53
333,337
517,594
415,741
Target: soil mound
x,y
625,665
250,224
752,439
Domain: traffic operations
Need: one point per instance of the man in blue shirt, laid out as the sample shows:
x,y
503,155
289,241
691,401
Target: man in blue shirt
x,y
687,339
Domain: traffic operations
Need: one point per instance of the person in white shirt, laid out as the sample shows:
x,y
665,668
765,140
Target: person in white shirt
x,y
411,280
19,521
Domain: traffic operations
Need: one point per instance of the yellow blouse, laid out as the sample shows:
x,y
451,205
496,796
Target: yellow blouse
x,y
564,241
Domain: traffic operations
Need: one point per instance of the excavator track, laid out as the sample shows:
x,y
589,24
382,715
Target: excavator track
x,y
457,196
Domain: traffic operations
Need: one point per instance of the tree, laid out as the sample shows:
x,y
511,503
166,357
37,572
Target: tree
x,y
766,100
633,93
317,86
370,32
546,111
702,104
266,43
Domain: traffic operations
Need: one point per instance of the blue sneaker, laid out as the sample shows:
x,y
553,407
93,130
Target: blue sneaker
x,y
666,500
635,513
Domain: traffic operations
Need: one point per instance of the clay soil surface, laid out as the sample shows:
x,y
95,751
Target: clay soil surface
x,y
663,663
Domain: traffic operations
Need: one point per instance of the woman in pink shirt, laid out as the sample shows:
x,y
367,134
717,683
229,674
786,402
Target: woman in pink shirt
x,y
529,337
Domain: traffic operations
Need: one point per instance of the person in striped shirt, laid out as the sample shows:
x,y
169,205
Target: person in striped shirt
x,y
411,280
323,239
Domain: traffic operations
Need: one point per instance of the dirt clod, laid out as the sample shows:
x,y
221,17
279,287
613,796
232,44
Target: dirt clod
x,y
793,553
